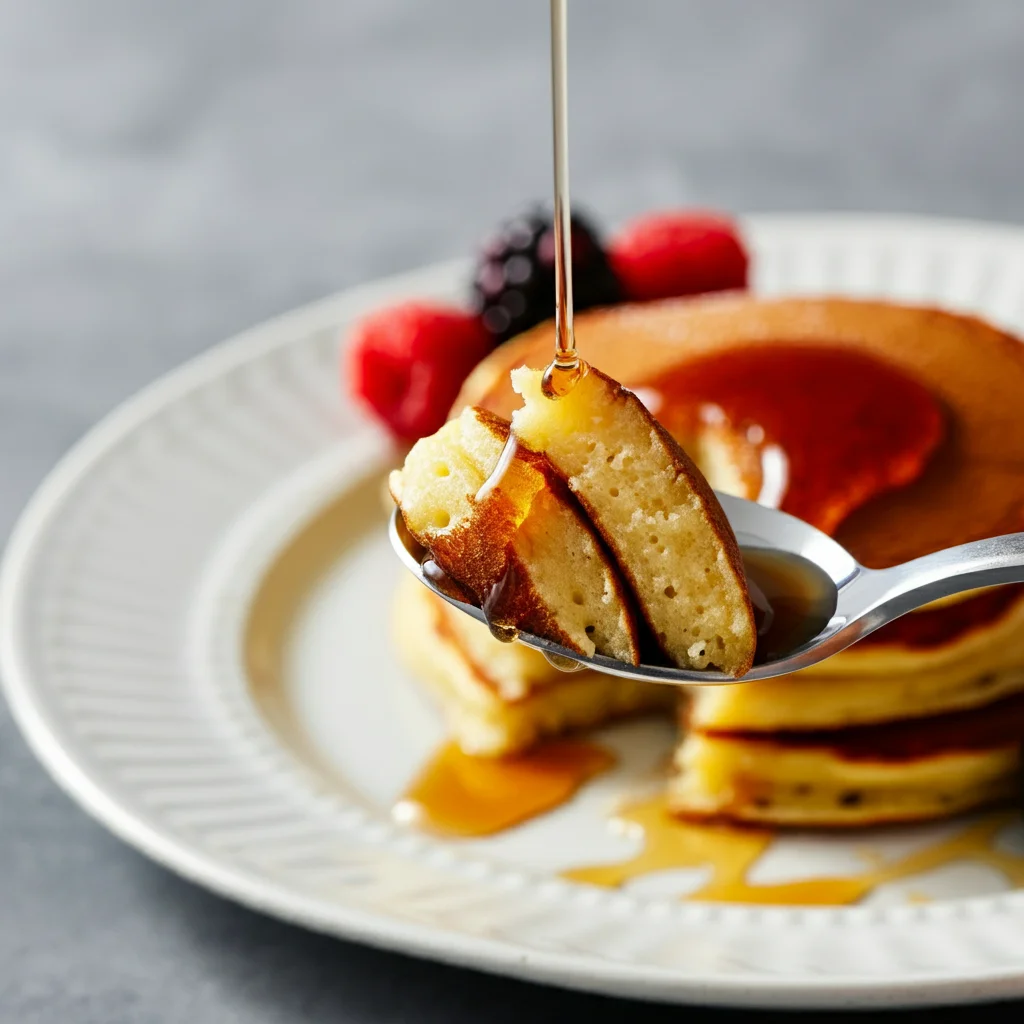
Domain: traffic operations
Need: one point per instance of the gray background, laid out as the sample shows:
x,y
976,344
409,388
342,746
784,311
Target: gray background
x,y
172,172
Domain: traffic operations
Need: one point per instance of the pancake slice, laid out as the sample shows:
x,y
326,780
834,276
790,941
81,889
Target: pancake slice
x,y
522,545
655,511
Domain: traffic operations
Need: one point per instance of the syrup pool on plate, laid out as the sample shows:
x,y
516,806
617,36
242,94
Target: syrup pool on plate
x,y
461,796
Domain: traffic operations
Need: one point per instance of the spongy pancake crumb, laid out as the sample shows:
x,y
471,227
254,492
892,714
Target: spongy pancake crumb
x,y
521,544
655,512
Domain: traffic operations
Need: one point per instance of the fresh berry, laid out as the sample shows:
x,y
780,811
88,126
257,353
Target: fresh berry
x,y
408,362
668,254
514,282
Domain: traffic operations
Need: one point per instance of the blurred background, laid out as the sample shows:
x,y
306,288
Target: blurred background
x,y
171,173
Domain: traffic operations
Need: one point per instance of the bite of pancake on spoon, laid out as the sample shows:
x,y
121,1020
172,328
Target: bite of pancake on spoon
x,y
613,549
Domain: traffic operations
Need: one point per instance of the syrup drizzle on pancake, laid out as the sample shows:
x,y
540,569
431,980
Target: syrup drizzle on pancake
x,y
849,425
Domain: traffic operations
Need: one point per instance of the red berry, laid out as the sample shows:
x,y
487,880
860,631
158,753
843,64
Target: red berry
x,y
407,363
668,254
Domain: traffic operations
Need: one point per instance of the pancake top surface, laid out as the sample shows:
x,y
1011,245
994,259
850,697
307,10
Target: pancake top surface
x,y
962,482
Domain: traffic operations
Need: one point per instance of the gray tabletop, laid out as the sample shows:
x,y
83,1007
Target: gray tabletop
x,y
173,172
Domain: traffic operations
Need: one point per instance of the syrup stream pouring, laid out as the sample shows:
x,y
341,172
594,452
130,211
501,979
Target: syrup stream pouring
x,y
853,600
566,368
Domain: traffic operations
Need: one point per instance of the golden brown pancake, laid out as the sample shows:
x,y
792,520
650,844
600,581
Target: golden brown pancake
x,y
881,689
904,771
654,510
985,628
809,702
518,540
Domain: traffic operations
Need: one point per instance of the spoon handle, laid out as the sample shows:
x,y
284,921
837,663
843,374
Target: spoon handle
x,y
982,563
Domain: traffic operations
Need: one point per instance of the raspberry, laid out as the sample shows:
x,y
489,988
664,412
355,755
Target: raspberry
x,y
669,254
514,281
407,363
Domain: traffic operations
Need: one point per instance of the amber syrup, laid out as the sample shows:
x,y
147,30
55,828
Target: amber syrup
x,y
793,600
566,368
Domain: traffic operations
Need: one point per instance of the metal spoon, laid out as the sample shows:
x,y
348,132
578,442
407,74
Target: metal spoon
x,y
855,600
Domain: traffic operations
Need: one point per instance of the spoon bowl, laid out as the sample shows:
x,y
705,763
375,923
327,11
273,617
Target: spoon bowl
x,y
840,600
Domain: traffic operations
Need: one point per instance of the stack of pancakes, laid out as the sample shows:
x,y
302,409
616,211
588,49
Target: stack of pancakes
x,y
923,718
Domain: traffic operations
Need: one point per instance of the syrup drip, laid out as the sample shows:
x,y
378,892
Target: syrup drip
x,y
562,663
505,459
731,852
503,631
459,795
443,581
561,377
496,598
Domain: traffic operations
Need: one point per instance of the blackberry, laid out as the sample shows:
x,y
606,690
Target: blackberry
x,y
514,281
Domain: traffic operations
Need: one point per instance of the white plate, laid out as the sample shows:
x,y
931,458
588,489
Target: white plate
x,y
124,603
